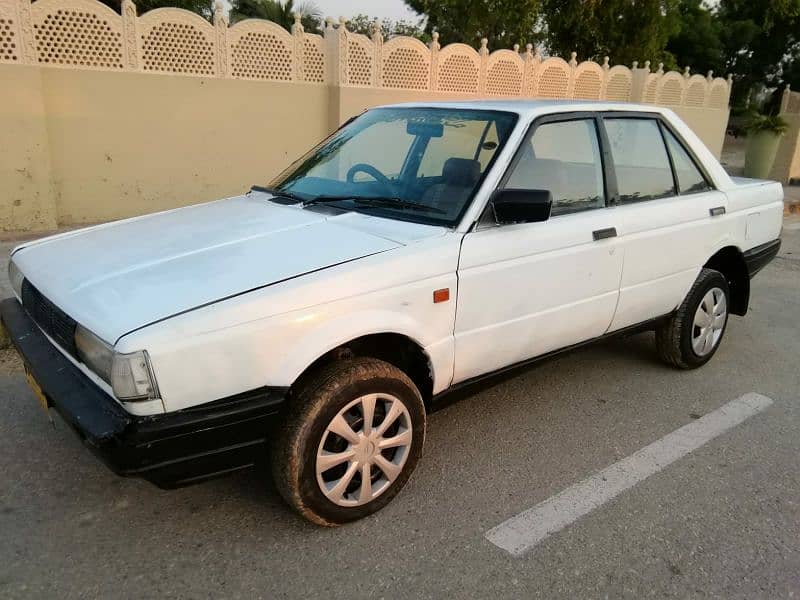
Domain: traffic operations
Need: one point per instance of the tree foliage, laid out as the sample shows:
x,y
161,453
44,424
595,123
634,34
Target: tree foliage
x,y
502,22
761,41
204,8
363,24
278,12
698,41
623,30
757,41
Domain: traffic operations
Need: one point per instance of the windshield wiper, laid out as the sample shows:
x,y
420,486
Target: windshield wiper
x,y
278,193
377,202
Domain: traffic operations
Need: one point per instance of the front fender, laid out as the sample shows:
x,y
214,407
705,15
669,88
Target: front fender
x,y
195,363
317,339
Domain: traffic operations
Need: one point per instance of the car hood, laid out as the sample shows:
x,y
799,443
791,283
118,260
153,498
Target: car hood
x,y
121,276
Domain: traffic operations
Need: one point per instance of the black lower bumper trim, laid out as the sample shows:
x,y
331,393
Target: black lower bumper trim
x,y
757,258
169,449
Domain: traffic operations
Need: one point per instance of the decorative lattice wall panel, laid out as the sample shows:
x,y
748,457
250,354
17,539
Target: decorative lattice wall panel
x,y
88,34
313,58
669,90
459,69
588,81
696,89
619,84
552,78
504,73
406,64
261,50
718,94
10,41
78,33
360,63
172,40
650,88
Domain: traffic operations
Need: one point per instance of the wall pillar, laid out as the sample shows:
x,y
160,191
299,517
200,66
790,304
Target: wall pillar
x,y
129,45
221,31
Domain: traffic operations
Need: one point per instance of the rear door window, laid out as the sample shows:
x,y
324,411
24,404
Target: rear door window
x,y
640,159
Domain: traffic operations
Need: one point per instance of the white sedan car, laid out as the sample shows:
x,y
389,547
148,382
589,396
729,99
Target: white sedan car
x,y
417,249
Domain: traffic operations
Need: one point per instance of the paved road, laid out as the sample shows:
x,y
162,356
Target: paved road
x,y
723,521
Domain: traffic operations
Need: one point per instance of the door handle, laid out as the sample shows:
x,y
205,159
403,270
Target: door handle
x,y
602,234
716,211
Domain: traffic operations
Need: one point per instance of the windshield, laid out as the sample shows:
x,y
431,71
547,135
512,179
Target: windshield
x,y
415,164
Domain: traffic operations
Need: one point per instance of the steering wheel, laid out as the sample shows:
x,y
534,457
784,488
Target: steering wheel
x,y
369,170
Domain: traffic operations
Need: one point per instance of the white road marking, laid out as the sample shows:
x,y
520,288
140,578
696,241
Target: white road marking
x,y
519,534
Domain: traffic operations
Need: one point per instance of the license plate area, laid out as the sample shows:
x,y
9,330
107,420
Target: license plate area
x,y
37,391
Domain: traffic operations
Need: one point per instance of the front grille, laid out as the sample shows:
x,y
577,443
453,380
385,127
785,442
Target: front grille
x,y
52,320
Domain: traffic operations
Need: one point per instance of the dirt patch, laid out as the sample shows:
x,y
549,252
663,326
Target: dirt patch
x,y
10,363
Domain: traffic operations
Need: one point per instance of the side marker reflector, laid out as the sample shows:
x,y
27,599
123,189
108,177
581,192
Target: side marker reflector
x,y
442,295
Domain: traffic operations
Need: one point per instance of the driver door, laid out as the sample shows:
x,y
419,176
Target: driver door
x,y
527,289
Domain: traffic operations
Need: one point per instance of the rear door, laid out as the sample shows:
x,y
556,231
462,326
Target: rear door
x,y
528,288
670,219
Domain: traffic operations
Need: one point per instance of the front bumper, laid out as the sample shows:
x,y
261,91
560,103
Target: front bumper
x,y
170,450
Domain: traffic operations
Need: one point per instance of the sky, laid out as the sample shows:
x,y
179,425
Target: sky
x,y
393,9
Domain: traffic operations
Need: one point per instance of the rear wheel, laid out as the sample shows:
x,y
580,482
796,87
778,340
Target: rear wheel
x,y
692,335
353,435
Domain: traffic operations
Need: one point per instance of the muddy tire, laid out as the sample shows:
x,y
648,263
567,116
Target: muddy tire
x,y
353,434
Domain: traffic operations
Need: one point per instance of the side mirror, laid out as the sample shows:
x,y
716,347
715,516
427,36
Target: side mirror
x,y
522,206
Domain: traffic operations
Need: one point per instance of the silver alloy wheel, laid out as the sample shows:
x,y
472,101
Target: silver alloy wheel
x,y
359,458
709,321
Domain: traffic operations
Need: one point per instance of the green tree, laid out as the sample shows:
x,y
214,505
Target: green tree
x,y
761,43
621,29
278,12
790,70
698,41
363,24
502,22
204,8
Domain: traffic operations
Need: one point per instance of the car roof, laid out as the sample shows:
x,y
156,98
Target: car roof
x,y
533,108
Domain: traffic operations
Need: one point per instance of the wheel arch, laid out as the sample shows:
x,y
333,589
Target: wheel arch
x,y
398,349
730,262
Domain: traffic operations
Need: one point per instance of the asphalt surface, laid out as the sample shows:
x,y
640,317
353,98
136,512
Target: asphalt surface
x,y
722,522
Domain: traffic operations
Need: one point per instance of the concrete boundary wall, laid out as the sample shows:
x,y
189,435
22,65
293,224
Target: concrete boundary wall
x,y
786,167
106,116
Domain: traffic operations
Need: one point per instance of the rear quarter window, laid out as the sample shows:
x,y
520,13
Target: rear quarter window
x,y
690,179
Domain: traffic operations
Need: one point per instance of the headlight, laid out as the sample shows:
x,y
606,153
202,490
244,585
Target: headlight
x,y
129,375
94,353
15,276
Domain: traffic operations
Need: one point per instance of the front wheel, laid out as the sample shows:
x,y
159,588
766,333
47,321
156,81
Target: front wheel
x,y
692,335
354,434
